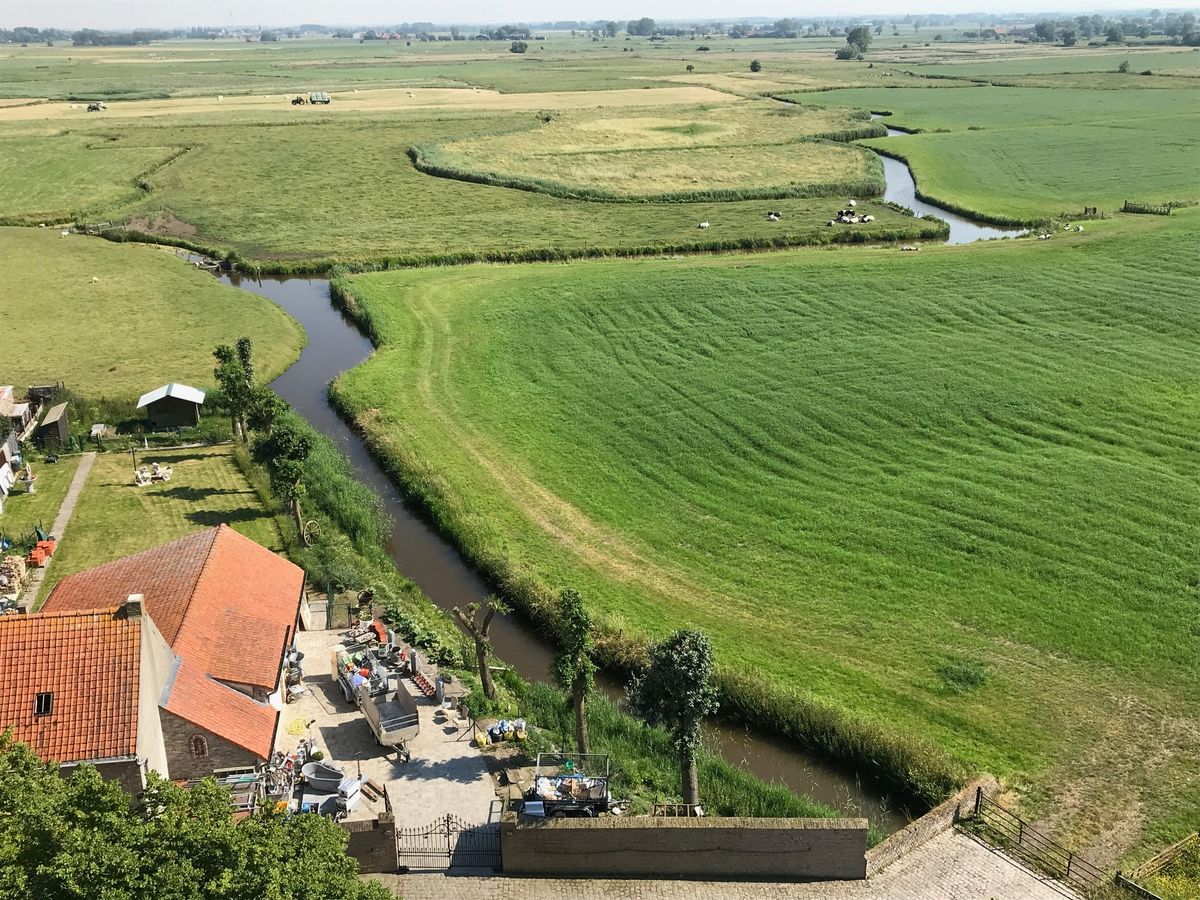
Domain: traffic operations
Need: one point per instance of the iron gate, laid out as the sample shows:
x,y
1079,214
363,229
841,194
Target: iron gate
x,y
449,843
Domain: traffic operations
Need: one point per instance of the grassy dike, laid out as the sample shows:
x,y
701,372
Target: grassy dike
x,y
350,553
916,769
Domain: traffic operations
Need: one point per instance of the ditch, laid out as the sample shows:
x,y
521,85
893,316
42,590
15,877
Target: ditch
x,y
336,345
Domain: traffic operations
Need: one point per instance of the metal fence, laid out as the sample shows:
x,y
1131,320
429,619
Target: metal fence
x,y
449,843
1015,836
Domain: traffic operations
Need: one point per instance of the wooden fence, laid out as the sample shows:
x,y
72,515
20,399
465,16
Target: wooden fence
x,y
1152,209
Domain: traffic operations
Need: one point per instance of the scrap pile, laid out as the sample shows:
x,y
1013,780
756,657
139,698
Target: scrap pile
x,y
12,576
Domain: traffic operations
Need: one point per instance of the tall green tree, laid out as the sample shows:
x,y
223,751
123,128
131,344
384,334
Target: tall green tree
x,y
859,37
676,690
573,667
232,378
81,838
282,453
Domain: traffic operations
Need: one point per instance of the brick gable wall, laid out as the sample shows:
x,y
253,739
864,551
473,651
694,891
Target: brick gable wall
x,y
181,763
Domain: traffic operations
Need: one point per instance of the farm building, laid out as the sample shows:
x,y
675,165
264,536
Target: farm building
x,y
172,406
171,660
55,429
18,413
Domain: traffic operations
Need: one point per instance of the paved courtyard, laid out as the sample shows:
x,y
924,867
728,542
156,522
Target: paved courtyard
x,y
446,774
952,866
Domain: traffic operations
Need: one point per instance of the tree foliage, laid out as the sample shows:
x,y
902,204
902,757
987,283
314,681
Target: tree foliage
x,y
643,27
282,452
573,667
82,838
859,37
677,691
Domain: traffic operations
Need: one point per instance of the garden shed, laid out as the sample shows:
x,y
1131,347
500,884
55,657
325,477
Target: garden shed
x,y
172,406
55,430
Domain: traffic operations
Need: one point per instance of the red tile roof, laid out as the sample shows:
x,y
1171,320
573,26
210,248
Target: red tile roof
x,y
89,662
225,605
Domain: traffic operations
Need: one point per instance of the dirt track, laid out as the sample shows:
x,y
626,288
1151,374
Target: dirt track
x,y
397,99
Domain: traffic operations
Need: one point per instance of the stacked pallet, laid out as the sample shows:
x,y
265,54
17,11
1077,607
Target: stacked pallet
x,y
12,573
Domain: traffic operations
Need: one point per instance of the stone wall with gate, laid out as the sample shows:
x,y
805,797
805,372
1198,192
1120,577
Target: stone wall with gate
x,y
698,848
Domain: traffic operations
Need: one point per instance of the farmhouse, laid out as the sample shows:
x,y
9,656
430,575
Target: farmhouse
x,y
170,660
172,406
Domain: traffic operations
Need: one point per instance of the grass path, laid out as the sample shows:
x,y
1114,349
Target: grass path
x,y
63,518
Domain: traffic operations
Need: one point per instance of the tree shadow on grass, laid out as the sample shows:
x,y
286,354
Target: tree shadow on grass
x,y
191,494
168,457
214,517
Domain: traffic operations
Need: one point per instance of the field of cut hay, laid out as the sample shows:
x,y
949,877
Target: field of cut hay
x,y
749,149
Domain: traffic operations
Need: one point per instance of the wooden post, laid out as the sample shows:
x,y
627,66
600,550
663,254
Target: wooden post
x,y
978,799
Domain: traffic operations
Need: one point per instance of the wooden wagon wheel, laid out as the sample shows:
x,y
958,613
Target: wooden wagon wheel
x,y
312,532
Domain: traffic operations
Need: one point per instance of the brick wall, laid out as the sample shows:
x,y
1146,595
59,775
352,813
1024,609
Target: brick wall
x,y
181,763
937,820
696,848
373,843
126,772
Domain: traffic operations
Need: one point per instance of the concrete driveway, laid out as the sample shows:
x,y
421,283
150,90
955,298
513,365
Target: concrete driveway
x,y
446,774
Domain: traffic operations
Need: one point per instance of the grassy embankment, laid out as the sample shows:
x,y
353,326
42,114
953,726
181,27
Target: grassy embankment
x,y
968,509
1023,153
116,321
761,149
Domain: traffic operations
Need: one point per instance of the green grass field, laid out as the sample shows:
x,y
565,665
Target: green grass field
x,y
326,192
23,511
115,320
1041,151
861,472
113,518
749,148
54,176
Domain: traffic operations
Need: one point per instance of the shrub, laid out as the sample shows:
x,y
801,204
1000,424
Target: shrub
x,y
846,52
518,47
755,65
1123,68
962,674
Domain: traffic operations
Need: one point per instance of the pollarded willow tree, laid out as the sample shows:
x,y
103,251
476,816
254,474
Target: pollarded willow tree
x,y
573,667
480,631
676,690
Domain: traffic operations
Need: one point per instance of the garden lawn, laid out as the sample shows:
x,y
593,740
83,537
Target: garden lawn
x,y
1041,151
23,511
113,320
864,473
113,518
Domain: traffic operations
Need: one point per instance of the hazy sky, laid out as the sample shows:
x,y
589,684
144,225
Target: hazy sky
x,y
176,13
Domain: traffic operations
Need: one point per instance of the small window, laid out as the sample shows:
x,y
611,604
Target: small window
x,y
43,704
199,746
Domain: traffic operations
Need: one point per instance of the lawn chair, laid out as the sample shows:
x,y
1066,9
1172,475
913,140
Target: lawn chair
x,y
141,477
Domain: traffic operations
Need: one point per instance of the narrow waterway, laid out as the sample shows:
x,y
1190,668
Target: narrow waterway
x,y
336,345
902,188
